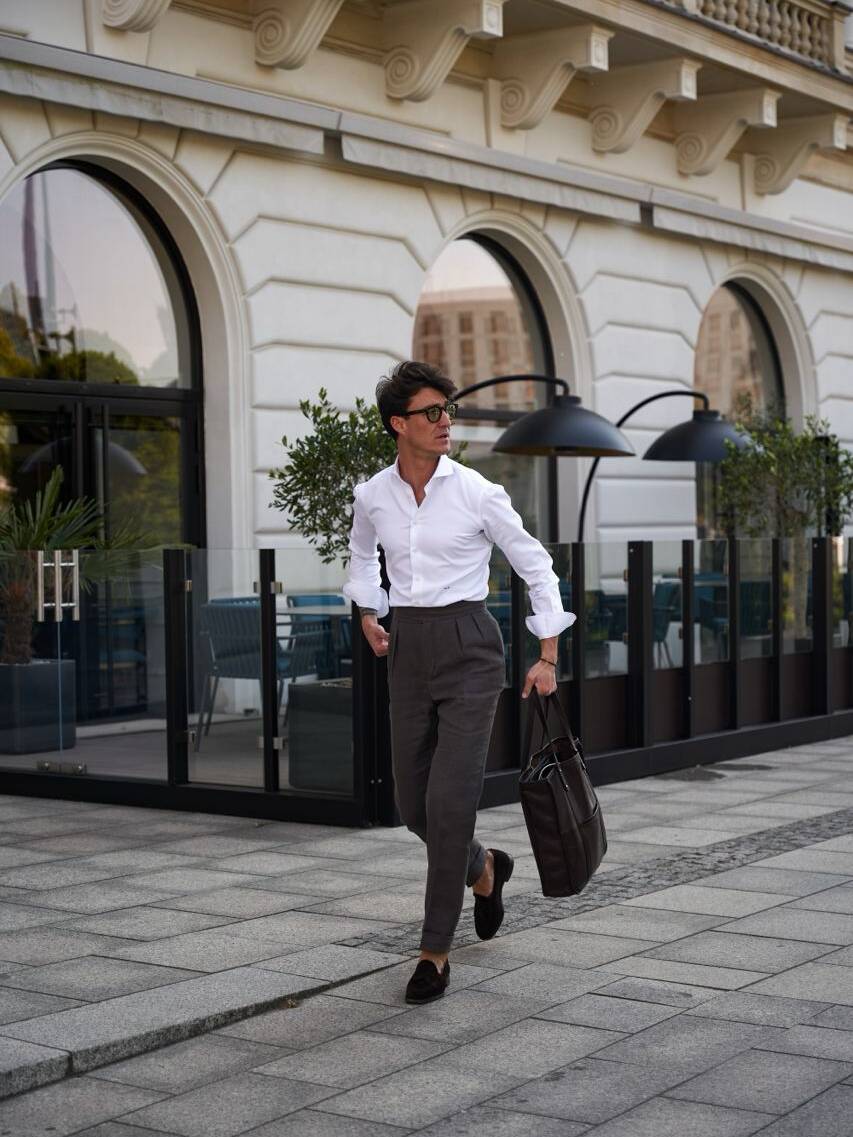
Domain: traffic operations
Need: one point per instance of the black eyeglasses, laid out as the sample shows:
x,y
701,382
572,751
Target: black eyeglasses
x,y
434,412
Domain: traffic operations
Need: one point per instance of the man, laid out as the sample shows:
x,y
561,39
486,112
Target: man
x,y
437,521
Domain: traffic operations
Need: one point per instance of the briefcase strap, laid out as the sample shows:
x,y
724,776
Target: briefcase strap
x,y
536,710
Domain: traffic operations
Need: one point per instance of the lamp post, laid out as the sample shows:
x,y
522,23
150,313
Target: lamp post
x,y
701,439
563,427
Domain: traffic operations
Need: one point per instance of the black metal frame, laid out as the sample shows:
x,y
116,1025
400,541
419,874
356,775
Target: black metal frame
x,y
372,801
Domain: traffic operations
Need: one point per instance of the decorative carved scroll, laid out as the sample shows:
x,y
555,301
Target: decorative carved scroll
x,y
133,15
536,69
780,155
626,100
424,38
287,32
707,131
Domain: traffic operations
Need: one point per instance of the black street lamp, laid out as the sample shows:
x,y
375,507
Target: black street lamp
x,y
562,428
701,439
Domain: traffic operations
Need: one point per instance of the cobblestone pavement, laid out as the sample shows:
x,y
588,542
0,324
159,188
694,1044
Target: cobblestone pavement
x,y
702,985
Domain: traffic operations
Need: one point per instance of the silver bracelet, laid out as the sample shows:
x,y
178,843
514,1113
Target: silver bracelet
x,y
368,611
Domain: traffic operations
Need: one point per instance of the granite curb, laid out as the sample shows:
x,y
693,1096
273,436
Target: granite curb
x,y
119,1028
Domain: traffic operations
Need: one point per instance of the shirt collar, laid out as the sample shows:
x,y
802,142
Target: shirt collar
x,y
443,470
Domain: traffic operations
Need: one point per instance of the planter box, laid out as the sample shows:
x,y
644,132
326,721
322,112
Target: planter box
x,y
320,750
31,718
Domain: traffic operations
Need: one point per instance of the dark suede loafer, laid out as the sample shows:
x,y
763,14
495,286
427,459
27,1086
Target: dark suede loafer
x,y
428,982
489,910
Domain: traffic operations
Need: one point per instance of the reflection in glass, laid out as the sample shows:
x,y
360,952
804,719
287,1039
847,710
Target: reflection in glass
x,y
666,604
224,676
711,601
111,681
87,291
475,320
735,363
756,598
499,603
842,591
605,628
140,475
797,608
314,661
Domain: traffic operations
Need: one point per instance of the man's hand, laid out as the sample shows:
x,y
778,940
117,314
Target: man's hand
x,y
375,635
543,677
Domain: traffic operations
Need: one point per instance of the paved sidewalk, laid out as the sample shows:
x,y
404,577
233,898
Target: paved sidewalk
x,y
703,984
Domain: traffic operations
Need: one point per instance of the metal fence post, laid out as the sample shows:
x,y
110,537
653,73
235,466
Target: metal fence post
x,y
734,634
777,639
640,642
822,617
269,669
688,573
578,638
175,591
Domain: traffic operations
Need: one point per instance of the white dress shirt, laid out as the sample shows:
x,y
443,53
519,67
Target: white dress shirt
x,y
438,553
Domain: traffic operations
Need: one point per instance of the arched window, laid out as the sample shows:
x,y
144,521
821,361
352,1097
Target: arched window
x,y
737,367
98,352
478,317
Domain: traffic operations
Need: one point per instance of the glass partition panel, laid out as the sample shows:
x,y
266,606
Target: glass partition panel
x,y
711,601
756,598
797,609
224,668
842,591
499,603
314,632
103,711
561,557
667,619
36,685
606,608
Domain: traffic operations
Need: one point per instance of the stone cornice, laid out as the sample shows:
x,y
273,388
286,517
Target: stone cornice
x,y
52,74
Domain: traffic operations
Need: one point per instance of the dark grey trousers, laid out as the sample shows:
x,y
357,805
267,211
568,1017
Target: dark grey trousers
x,y
445,672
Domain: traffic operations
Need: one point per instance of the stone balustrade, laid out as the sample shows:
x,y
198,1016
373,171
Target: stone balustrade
x,y
810,29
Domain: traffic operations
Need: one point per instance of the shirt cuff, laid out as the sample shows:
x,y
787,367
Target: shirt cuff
x,y
365,595
544,625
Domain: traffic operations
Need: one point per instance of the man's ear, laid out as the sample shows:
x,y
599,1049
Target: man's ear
x,y
399,423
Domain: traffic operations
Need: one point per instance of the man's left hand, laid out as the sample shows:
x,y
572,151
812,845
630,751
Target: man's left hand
x,y
543,677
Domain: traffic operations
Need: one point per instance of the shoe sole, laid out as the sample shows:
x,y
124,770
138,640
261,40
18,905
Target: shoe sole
x,y
428,999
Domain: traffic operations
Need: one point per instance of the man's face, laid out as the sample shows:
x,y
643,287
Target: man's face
x,y
417,433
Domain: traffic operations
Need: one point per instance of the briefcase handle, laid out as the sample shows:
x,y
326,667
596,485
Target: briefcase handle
x,y
537,710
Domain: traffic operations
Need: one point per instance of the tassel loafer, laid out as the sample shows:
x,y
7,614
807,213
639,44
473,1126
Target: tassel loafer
x,y
428,982
489,910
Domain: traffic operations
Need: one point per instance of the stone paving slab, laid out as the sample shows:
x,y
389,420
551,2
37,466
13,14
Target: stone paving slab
x,y
664,1117
24,1065
763,1080
94,978
563,976
117,1028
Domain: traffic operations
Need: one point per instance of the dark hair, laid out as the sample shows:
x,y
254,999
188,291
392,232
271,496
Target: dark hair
x,y
394,391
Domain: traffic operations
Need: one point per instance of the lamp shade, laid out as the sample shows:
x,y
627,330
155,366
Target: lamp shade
x,y
564,427
701,439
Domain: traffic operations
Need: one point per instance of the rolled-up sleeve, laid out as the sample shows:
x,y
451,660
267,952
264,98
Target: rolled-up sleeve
x,y
364,583
503,526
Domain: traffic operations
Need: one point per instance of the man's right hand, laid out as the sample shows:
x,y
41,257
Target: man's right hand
x,y
375,635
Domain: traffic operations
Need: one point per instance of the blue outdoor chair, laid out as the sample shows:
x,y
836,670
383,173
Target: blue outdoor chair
x,y
337,649
231,632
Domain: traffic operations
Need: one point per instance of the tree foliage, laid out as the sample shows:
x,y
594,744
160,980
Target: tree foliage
x,y
315,488
785,483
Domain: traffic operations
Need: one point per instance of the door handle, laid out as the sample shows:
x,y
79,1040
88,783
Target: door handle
x,y
56,563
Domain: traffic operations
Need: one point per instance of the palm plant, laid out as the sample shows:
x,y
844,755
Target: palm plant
x,y
48,524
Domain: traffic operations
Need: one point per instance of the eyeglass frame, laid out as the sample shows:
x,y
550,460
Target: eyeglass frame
x,y
451,414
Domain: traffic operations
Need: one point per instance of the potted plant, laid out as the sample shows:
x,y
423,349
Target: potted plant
x,y
37,695
791,485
